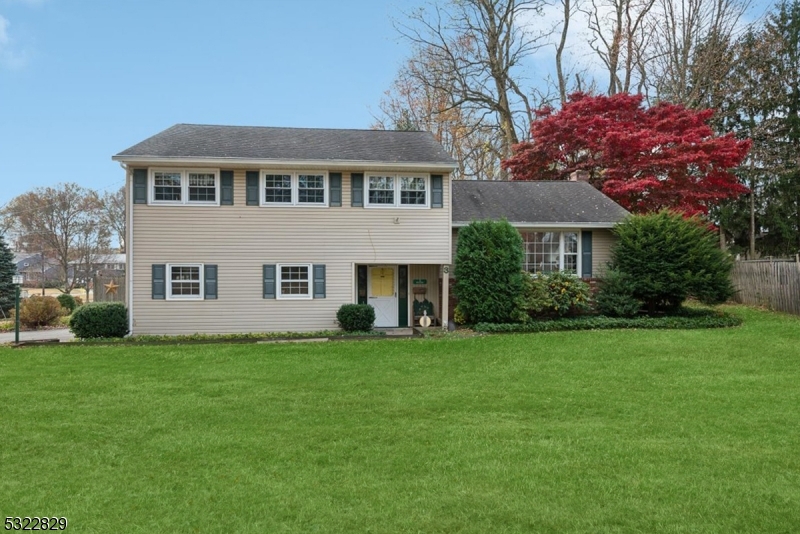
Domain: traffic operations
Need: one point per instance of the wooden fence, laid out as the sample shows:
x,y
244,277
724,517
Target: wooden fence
x,y
771,283
109,288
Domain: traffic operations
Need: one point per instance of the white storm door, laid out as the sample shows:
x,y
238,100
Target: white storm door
x,y
382,294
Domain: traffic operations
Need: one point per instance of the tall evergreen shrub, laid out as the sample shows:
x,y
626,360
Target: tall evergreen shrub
x,y
488,272
668,258
7,270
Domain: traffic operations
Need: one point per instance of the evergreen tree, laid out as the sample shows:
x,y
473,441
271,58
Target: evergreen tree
x,y
7,270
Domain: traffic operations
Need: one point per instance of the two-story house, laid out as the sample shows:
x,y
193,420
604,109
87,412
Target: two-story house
x,y
249,229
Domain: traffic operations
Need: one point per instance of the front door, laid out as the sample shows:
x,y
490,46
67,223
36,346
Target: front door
x,y
383,294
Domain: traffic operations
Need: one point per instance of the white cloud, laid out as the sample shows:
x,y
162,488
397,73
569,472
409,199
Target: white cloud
x,y
9,57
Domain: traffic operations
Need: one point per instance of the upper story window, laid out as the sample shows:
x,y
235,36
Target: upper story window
x,y
397,190
294,188
184,187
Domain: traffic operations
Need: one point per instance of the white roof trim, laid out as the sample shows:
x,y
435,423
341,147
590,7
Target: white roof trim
x,y
460,224
290,163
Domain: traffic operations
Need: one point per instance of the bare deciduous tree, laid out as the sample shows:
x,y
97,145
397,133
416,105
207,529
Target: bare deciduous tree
x,y
411,105
620,39
692,48
54,220
113,207
474,50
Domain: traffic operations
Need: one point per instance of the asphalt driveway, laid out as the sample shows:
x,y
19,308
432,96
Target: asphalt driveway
x,y
62,334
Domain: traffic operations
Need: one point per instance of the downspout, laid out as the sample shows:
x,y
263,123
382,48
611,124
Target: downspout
x,y
128,246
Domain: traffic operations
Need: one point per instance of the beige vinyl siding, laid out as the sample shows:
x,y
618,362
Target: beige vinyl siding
x,y
240,239
602,241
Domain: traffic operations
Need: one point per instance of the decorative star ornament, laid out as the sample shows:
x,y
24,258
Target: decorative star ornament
x,y
111,288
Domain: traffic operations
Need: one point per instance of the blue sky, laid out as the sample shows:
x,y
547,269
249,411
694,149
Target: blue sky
x,y
82,80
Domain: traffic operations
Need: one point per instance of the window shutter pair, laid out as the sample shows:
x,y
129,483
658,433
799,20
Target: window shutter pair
x,y
270,277
140,187
159,281
357,190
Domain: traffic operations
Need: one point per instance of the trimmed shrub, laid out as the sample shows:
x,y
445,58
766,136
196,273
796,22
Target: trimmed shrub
x,y
670,322
614,296
356,317
100,320
669,258
78,301
458,316
38,311
67,302
488,272
556,294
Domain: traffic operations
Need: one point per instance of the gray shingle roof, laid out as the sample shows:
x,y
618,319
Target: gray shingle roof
x,y
185,141
538,203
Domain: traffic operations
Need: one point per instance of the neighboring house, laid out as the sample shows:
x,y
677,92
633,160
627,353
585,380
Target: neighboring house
x,y
104,264
246,229
564,225
32,268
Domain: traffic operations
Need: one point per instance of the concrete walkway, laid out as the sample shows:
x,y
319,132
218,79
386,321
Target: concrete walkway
x,y
62,334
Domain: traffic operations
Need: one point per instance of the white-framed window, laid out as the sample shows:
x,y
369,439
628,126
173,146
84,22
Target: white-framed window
x,y
294,281
397,190
547,252
185,281
296,188
184,186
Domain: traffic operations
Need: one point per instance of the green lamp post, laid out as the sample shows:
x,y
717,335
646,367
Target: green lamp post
x,y
17,281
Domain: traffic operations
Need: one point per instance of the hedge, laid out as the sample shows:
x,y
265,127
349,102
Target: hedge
x,y
677,322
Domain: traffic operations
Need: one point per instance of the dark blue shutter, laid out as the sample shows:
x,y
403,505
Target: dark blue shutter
x,y
210,281
159,281
226,188
357,190
140,186
335,188
269,281
437,191
586,254
319,281
252,188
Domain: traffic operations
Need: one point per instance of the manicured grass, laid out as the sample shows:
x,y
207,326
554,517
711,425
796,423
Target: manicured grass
x,y
598,431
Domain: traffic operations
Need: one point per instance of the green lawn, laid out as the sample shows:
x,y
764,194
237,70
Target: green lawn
x,y
607,431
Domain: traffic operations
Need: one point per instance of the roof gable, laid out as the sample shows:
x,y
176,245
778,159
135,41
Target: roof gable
x,y
533,203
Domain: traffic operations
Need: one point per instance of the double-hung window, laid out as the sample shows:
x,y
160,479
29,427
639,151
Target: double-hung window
x,y
181,186
184,281
398,190
294,188
294,281
547,252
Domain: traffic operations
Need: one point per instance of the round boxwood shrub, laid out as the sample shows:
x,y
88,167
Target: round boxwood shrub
x,y
38,311
67,302
668,258
100,319
356,317
488,272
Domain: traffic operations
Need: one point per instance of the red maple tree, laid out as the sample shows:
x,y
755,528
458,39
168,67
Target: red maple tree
x,y
646,159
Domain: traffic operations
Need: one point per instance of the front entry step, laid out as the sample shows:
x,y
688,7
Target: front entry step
x,y
396,331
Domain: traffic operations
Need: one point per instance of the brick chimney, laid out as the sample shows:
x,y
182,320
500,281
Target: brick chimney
x,y
579,176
